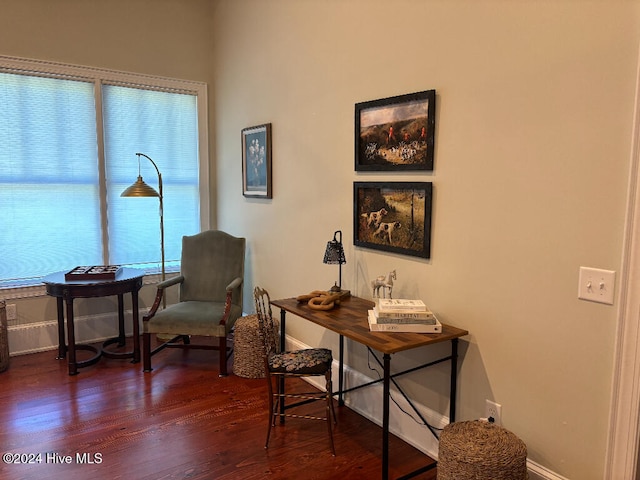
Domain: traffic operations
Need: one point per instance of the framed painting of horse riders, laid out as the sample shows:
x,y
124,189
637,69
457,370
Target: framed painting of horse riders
x,y
393,217
396,133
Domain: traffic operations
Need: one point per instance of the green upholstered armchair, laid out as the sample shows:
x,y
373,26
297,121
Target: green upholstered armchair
x,y
210,280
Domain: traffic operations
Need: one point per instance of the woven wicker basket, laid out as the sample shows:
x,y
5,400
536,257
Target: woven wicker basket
x,y
476,450
247,349
4,338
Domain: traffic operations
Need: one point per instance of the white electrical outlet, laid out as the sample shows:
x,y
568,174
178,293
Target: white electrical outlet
x,y
596,285
11,312
493,411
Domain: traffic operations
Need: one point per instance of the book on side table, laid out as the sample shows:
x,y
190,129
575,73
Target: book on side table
x,y
401,305
403,315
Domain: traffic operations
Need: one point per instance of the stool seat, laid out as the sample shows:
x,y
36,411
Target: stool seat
x,y
248,361
477,450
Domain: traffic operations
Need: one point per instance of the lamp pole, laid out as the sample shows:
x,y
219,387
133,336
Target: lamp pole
x,y
161,209
141,189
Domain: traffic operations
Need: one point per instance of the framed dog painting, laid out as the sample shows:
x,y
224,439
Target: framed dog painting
x,y
393,216
396,133
256,161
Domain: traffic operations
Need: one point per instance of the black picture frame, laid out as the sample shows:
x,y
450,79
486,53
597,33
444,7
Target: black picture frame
x,y
256,161
393,217
396,133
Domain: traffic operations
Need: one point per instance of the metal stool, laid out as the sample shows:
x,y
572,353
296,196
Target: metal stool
x,y
476,450
247,351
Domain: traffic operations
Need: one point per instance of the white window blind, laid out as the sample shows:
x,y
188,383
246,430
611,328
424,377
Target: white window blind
x,y
163,126
61,174
49,197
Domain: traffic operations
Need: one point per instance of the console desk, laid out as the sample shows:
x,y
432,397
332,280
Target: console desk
x,y
349,320
128,280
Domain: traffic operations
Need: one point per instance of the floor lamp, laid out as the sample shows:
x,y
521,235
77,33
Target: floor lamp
x,y
141,189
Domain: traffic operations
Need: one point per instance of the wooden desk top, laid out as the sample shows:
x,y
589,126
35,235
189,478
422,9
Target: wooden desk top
x,y
350,320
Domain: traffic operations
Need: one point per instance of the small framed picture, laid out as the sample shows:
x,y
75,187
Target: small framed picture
x,y
393,217
396,133
256,161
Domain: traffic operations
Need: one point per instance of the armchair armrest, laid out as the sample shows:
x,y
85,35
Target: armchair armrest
x,y
235,283
170,281
159,293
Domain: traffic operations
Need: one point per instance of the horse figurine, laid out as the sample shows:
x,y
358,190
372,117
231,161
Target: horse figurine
x,y
386,283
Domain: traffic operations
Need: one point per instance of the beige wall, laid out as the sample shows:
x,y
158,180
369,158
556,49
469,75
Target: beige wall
x,y
535,104
162,37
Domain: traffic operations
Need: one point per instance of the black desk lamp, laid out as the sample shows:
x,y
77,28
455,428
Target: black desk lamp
x,y
334,254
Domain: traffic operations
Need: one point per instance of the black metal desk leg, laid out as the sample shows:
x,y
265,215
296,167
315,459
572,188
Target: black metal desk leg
x,y
280,380
341,372
62,346
283,319
454,380
385,416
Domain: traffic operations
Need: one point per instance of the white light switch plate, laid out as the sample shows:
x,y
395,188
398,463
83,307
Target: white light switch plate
x,y
596,285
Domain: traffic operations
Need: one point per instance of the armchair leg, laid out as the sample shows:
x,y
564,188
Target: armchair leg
x,y
223,356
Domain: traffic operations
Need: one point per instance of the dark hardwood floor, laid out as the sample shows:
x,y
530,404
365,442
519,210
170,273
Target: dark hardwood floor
x,y
180,421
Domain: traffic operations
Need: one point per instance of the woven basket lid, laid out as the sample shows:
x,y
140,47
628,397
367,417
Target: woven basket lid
x,y
481,450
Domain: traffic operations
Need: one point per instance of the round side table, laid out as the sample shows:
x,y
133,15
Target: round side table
x,y
127,280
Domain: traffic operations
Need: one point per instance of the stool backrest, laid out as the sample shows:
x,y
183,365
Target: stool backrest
x,y
267,328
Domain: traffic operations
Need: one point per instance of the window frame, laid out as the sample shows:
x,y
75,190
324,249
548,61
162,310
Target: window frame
x,y
99,77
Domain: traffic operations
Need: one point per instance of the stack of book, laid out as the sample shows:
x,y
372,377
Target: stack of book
x,y
403,315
